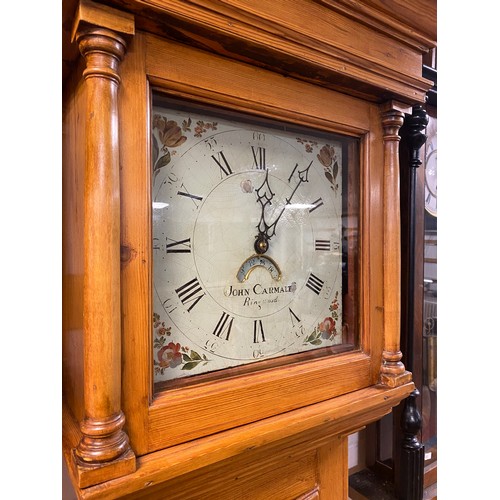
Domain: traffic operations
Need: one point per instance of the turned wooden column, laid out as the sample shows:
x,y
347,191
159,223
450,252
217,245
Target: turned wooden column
x,y
409,452
392,371
103,444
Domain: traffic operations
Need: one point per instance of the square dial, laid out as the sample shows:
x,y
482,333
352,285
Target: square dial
x,y
249,219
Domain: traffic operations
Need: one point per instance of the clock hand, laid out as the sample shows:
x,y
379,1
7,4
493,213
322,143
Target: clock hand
x,y
264,197
267,231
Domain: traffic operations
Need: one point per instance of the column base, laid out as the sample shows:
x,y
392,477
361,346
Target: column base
x,y
395,380
89,474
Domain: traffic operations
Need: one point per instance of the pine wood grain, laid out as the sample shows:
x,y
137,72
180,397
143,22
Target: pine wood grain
x,y
297,431
251,432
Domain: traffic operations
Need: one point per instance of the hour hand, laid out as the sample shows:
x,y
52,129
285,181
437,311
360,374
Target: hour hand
x,y
267,231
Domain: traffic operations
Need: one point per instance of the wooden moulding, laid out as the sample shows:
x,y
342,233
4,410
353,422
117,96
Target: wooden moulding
x,y
323,43
392,371
307,428
103,451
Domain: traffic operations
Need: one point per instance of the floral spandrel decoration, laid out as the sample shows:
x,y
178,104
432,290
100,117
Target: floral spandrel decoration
x,y
327,157
308,145
171,136
202,127
327,329
171,354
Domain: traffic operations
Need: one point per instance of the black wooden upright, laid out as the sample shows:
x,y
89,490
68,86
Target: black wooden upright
x,y
409,476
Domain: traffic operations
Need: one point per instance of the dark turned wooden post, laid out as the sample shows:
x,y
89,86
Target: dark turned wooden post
x,y
409,478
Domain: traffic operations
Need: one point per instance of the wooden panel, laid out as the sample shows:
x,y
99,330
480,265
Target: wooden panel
x,y
333,469
188,413
333,29
135,246
73,172
255,476
251,89
421,15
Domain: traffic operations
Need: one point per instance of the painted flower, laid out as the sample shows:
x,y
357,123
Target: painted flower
x,y
327,327
246,186
170,355
169,132
162,330
326,155
156,320
328,159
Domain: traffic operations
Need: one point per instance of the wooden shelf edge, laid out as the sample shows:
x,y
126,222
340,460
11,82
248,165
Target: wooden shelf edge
x,y
340,415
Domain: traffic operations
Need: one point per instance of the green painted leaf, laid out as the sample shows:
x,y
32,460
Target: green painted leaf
x,y
156,150
190,366
335,170
164,160
195,355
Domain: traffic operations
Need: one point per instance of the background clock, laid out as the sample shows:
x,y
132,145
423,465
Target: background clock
x,y
247,238
431,168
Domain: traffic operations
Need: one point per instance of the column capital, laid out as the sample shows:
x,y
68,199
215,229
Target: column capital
x,y
92,16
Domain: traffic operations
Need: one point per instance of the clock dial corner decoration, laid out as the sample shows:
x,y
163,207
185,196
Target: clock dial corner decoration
x,y
248,254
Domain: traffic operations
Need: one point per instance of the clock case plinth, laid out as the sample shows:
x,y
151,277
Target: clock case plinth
x,y
210,55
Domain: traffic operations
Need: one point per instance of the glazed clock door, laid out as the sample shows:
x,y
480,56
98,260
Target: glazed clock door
x,y
247,240
243,222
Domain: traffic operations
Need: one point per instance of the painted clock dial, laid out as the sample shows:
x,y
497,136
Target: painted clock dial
x,y
247,241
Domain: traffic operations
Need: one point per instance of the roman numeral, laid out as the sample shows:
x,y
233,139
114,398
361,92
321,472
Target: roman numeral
x,y
303,174
223,326
170,308
316,204
293,171
293,316
187,194
323,245
259,157
258,331
190,293
182,246
221,161
315,284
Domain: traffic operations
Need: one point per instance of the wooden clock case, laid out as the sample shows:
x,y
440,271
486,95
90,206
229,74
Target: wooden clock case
x,y
279,432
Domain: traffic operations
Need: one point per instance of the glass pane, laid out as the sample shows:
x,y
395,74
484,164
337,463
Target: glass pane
x,y
429,382
255,242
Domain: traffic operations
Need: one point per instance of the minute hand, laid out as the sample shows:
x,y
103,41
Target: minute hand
x,y
303,174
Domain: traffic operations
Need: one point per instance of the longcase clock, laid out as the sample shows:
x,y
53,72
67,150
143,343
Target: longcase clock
x,y
231,266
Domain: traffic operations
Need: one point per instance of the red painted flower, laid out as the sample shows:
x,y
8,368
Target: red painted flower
x,y
162,331
170,355
169,132
327,327
326,155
